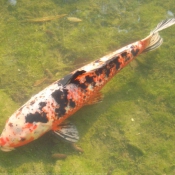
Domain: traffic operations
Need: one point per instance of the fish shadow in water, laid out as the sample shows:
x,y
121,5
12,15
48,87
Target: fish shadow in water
x,y
39,150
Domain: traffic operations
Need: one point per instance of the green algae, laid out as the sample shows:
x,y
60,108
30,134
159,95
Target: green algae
x,y
132,130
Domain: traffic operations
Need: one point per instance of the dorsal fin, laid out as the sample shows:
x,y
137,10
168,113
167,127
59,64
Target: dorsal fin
x,y
70,77
76,74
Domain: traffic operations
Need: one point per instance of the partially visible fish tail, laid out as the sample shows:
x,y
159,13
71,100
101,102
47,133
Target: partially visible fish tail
x,y
154,40
163,25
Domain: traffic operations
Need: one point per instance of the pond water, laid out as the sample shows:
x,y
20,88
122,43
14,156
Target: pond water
x,y
132,130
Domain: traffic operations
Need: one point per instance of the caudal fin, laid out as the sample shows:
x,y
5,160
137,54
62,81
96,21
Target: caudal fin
x,y
154,39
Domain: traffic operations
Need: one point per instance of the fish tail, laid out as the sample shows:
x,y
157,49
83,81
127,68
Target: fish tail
x,y
154,40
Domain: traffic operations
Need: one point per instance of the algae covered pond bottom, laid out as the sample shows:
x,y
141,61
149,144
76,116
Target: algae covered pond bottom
x,y
132,130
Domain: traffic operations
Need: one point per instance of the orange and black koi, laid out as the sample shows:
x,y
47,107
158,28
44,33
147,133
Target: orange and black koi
x,y
49,109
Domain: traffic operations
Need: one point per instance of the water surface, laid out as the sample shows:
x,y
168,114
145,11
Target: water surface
x,y
132,130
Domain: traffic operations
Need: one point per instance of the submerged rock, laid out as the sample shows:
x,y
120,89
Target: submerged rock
x,y
170,13
12,2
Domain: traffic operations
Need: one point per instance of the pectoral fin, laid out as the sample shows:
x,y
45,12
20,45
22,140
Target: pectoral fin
x,y
67,131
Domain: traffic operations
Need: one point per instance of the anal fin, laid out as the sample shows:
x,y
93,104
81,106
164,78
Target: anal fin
x,y
67,131
98,97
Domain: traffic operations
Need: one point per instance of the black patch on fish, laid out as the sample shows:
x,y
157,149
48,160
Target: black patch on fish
x,y
82,85
105,69
89,79
42,104
108,71
61,98
128,58
124,54
72,103
116,62
60,111
73,79
76,74
134,51
36,117
99,71
76,82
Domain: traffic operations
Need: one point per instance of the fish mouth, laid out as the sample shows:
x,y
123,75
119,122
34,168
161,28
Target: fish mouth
x,y
6,148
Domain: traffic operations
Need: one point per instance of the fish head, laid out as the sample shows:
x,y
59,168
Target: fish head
x,y
18,132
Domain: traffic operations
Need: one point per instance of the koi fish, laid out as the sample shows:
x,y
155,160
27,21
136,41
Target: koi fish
x,y
49,109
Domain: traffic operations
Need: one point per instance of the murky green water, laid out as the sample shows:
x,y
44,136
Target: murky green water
x,y
132,130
